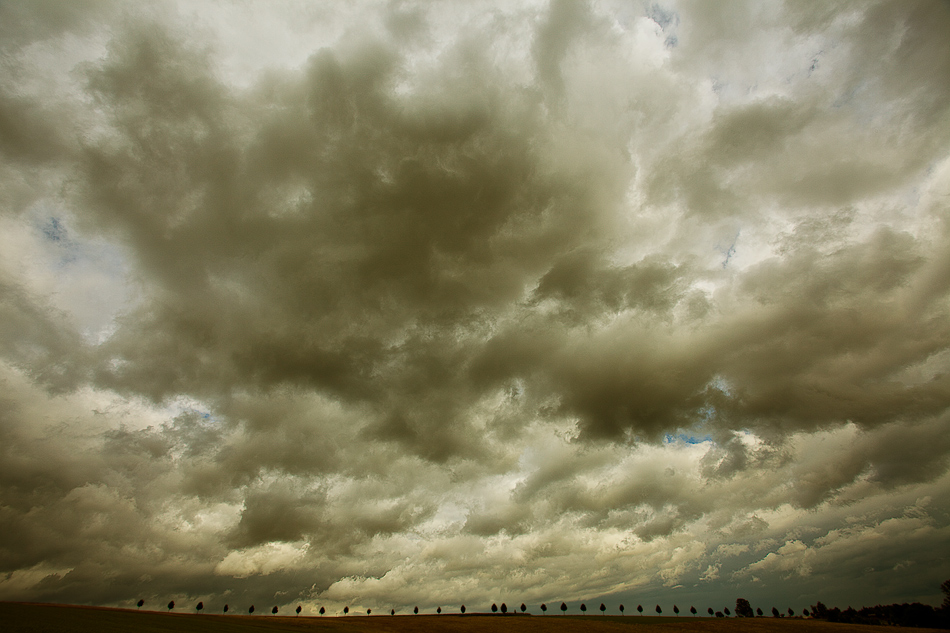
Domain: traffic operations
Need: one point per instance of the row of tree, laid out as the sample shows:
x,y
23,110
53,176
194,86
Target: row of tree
x,y
915,614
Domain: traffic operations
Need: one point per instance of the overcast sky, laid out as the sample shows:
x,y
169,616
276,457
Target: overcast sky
x,y
386,304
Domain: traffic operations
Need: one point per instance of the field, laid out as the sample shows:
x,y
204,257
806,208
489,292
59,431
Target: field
x,y
43,618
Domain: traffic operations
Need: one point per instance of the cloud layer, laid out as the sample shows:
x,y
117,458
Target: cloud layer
x,y
406,304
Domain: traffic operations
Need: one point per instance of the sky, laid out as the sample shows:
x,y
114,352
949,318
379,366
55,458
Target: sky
x,y
395,304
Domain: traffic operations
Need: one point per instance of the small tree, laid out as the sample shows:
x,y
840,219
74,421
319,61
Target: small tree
x,y
726,611
775,613
583,607
439,610
621,609
524,607
251,610
602,607
225,608
140,603
791,613
563,608
392,612
659,611
676,610
462,609
415,610
171,605
504,608
274,610
692,610
640,609
298,610
322,610
346,610
368,612
719,614
709,611
805,612
743,608
199,607
758,611
544,608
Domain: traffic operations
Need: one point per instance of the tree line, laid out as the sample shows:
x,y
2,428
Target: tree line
x,y
915,614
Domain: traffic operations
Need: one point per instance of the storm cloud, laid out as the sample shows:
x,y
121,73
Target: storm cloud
x,y
405,303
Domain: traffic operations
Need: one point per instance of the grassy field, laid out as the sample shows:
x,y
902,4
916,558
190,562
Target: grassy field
x,y
43,618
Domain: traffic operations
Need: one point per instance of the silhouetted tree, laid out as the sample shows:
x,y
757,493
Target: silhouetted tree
x,y
140,603
602,607
298,610
369,612
171,605
199,607
774,612
225,608
719,614
658,609
692,610
621,609
494,608
758,612
274,610
563,608
640,609
322,610
676,609
439,610
392,612
583,607
726,611
504,608
743,608
415,610
346,610
709,611
251,610
805,612
791,613
544,608
462,609
524,607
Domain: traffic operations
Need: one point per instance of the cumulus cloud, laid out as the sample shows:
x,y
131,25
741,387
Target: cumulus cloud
x,y
430,305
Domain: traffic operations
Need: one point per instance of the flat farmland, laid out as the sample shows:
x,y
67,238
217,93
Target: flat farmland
x,y
43,618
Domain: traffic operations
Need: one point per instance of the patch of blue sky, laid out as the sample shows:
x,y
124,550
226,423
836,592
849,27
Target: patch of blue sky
x,y
686,438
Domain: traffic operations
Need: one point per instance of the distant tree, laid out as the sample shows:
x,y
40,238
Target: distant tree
x,y
709,611
676,609
583,607
494,608
640,609
524,607
774,612
719,614
805,612
544,608
692,610
251,610
225,608
140,603
346,610
322,610
758,611
415,610
274,610
726,611
743,608
439,610
504,608
621,609
298,610
392,612
658,609
199,607
462,609
602,607
791,613
563,608
368,611
171,605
